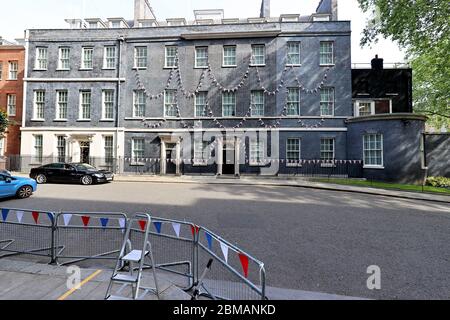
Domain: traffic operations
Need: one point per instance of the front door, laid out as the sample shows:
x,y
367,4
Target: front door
x,y
85,147
171,167
228,159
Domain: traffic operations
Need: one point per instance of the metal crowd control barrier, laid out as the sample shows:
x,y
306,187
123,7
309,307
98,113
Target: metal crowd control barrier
x,y
25,231
173,244
89,235
235,274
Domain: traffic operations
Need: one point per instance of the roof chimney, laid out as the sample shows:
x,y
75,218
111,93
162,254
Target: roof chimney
x,y
142,11
265,9
377,63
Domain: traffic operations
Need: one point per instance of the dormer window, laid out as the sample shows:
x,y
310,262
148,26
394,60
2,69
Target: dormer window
x,y
176,22
95,23
147,23
290,18
117,23
321,17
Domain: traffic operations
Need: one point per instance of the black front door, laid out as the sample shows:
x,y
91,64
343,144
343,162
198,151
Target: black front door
x,y
228,161
84,152
171,167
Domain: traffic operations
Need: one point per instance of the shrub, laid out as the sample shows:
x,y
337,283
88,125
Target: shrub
x,y
439,182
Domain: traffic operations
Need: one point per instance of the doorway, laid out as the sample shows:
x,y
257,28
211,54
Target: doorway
x,y
85,150
228,158
171,158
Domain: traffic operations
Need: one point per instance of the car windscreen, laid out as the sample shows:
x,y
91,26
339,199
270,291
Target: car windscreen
x,y
85,167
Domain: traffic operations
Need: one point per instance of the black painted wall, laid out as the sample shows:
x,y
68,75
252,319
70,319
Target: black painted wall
x,y
437,150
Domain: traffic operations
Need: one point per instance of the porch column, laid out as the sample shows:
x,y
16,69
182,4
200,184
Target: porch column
x,y
237,150
163,158
178,160
219,156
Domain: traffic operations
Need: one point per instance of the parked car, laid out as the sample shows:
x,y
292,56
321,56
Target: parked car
x,y
20,187
70,173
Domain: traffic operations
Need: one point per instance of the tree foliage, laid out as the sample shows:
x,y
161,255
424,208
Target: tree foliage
x,y
4,122
422,27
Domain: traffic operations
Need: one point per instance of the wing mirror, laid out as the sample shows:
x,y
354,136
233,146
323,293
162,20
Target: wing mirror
x,y
8,180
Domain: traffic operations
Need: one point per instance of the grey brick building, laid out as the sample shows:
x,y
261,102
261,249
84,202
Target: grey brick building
x,y
213,96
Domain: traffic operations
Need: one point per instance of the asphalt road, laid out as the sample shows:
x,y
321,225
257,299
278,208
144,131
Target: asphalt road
x,y
309,239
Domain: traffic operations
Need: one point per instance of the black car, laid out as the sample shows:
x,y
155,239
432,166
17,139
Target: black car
x,y
70,172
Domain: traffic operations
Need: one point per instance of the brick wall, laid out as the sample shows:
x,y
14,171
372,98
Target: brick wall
x,y
15,87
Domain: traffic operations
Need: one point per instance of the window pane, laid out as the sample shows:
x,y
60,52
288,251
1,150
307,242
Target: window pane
x,y
257,103
201,57
293,149
140,57
85,110
327,101
327,149
229,104
326,53
87,58
200,104
373,149
293,102
229,56
171,56
258,54
170,103
139,104
293,57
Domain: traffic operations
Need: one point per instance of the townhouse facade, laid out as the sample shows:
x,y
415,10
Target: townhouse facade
x,y
215,96
12,63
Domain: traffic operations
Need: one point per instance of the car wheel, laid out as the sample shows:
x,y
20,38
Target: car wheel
x,y
86,180
41,179
24,192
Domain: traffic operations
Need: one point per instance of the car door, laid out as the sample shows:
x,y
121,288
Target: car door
x,y
70,173
4,187
57,172
50,172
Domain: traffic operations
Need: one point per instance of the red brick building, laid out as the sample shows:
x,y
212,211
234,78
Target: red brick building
x,y
12,65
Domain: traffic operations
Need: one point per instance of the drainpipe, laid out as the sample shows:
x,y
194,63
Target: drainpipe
x,y
120,40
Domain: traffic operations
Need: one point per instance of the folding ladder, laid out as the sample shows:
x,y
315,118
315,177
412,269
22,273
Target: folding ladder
x,y
135,261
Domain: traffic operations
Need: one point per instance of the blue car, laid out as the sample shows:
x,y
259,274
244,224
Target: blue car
x,y
19,187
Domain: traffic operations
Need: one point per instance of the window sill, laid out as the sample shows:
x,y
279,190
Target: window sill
x,y
110,69
62,69
327,165
329,116
293,165
169,68
293,65
11,115
137,164
11,79
200,164
84,120
328,65
257,164
40,69
257,65
60,120
86,69
38,120
230,66
135,68
374,167
205,67
106,120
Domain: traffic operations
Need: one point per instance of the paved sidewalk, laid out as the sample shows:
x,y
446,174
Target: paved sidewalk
x,y
283,182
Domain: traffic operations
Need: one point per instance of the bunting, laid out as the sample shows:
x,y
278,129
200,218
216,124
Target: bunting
x,y
50,217
158,226
224,249
5,213
142,224
35,215
209,239
19,215
176,227
244,262
194,229
104,222
122,223
85,220
67,217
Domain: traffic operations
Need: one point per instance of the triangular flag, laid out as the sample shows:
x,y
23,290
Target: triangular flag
x,y
224,248
104,222
5,213
85,220
194,229
19,215
209,239
67,217
176,228
158,226
35,215
244,263
122,224
50,217
142,224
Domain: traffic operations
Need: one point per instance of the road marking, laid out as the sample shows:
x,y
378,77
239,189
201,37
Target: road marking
x,y
68,293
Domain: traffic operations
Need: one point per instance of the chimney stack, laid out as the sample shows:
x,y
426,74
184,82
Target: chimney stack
x,y
377,63
142,11
265,9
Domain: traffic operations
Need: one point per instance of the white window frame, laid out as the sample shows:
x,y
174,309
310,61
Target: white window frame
x,y
173,63
297,163
11,104
224,57
13,73
254,58
233,103
203,112
140,59
139,105
170,105
289,53
39,106
259,150
64,58
1,70
61,103
322,54
108,149
296,102
373,166
41,62
110,103
84,60
205,153
333,101
205,59
109,62
372,102
134,158
60,147
2,146
254,104
38,149
328,151
82,109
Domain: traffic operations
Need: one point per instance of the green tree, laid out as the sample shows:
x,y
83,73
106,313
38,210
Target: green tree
x,y
422,27
4,122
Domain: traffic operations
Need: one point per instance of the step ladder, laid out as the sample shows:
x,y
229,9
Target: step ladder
x,y
134,259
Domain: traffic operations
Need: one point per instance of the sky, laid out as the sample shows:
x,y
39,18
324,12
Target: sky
x,y
37,14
